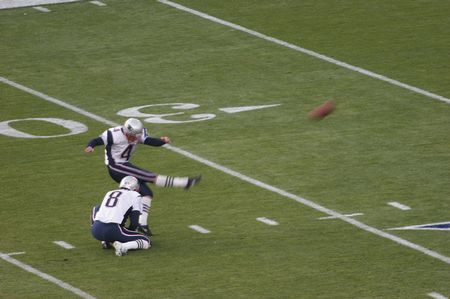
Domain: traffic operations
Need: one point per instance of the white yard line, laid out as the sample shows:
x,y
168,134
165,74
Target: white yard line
x,y
57,102
199,229
42,9
399,206
98,3
247,179
307,52
64,245
45,276
15,253
267,221
436,295
346,215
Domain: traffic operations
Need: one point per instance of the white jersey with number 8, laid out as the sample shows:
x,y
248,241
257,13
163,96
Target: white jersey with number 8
x,y
115,205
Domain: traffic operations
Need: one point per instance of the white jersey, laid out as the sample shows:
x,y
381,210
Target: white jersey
x,y
116,203
117,147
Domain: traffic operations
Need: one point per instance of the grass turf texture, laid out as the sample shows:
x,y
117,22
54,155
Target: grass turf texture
x,y
382,143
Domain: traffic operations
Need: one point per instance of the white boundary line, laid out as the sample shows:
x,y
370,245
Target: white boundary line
x,y
307,52
247,179
46,276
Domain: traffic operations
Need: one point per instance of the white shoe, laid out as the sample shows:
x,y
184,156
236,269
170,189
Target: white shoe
x,y
120,250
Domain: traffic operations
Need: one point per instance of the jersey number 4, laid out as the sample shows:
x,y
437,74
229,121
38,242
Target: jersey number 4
x,y
127,152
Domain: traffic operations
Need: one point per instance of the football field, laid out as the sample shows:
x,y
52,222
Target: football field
x,y
356,205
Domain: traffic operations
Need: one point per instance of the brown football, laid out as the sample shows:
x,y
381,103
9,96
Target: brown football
x,y
323,110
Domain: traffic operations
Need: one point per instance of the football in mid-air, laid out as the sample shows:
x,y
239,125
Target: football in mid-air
x,y
323,110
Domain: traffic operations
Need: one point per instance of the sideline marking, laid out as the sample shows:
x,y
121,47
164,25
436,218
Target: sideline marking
x,y
42,9
248,179
267,221
346,215
46,276
399,206
5,4
199,229
436,295
64,245
307,52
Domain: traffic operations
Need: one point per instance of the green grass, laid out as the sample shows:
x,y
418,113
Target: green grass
x,y
383,143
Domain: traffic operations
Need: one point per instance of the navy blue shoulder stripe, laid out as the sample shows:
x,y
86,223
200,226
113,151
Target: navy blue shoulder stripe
x,y
109,138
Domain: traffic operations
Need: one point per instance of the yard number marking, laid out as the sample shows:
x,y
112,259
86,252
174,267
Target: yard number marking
x,y
162,117
246,108
73,126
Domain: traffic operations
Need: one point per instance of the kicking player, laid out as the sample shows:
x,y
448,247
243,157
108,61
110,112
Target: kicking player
x,y
110,216
120,143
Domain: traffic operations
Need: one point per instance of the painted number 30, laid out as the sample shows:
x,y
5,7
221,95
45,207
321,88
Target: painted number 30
x,y
78,128
162,118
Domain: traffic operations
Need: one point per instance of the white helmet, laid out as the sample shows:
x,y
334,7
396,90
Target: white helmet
x,y
130,183
133,127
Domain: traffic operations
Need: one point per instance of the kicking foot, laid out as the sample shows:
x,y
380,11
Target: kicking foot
x,y
193,181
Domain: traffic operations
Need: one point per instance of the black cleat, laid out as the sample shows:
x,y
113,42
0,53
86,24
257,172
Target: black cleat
x,y
144,229
193,181
106,245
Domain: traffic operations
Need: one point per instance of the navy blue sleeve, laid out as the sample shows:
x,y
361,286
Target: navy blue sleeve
x,y
96,141
153,141
134,220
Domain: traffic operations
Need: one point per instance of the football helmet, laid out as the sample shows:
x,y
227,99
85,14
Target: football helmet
x,y
130,183
133,127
